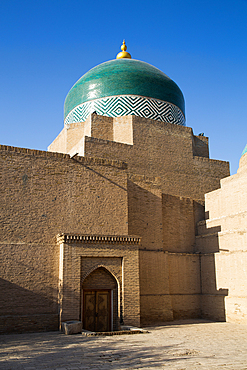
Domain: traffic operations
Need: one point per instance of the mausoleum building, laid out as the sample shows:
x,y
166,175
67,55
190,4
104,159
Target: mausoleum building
x,y
108,226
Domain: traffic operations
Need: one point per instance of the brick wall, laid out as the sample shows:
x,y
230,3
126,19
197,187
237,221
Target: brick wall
x,y
145,211
43,194
184,282
178,224
156,305
28,287
169,151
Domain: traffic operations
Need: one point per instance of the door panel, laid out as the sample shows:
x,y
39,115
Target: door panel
x,y
102,311
97,310
89,311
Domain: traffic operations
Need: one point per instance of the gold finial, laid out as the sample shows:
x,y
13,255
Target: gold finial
x,y
124,47
123,53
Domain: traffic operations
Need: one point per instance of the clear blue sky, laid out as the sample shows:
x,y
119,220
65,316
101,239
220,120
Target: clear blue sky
x,y
47,45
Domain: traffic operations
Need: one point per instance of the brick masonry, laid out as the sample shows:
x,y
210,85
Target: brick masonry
x,y
136,177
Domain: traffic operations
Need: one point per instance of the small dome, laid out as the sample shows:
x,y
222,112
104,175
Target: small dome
x,y
119,83
245,150
243,161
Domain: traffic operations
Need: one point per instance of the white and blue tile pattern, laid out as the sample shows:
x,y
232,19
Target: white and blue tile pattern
x,y
124,105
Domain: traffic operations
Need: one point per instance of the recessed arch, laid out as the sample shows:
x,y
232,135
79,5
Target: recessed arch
x,y
100,300
99,267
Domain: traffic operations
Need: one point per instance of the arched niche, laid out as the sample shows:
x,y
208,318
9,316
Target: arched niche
x,y
100,301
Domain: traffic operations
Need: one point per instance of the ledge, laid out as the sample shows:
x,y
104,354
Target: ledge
x,y
123,331
84,160
205,159
98,239
217,233
33,152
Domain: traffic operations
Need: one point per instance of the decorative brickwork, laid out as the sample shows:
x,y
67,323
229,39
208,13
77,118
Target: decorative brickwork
x,y
65,238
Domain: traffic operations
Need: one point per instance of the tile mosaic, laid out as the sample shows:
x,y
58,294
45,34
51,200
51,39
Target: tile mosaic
x,y
115,106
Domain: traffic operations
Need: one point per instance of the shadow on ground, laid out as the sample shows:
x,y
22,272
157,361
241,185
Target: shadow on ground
x,y
56,351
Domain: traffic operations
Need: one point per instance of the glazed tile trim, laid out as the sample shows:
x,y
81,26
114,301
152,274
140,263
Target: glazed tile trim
x,y
124,105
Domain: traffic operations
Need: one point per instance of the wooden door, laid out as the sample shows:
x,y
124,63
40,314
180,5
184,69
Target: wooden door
x,y
97,310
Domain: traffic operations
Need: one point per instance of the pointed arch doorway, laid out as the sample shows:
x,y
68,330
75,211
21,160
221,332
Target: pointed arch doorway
x,y
100,301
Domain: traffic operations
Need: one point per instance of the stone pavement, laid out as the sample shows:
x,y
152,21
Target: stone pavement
x,y
179,345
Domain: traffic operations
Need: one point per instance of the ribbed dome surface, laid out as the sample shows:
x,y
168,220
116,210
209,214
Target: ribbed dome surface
x,y
124,77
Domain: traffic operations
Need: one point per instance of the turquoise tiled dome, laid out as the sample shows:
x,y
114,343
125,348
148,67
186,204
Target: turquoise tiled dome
x,y
125,79
245,150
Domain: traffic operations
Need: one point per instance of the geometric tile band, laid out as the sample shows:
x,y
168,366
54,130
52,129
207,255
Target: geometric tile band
x,y
116,106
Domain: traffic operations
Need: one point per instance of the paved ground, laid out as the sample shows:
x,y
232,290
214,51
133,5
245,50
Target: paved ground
x,y
191,345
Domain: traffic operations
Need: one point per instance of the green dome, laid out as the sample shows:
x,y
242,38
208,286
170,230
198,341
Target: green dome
x,y
122,77
245,150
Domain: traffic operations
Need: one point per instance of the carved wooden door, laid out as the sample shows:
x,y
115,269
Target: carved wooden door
x,y
97,310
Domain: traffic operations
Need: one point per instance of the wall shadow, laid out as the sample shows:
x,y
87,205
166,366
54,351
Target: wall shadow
x,y
212,298
23,310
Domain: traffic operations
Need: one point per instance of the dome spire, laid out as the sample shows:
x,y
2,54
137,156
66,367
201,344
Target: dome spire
x,y
123,53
